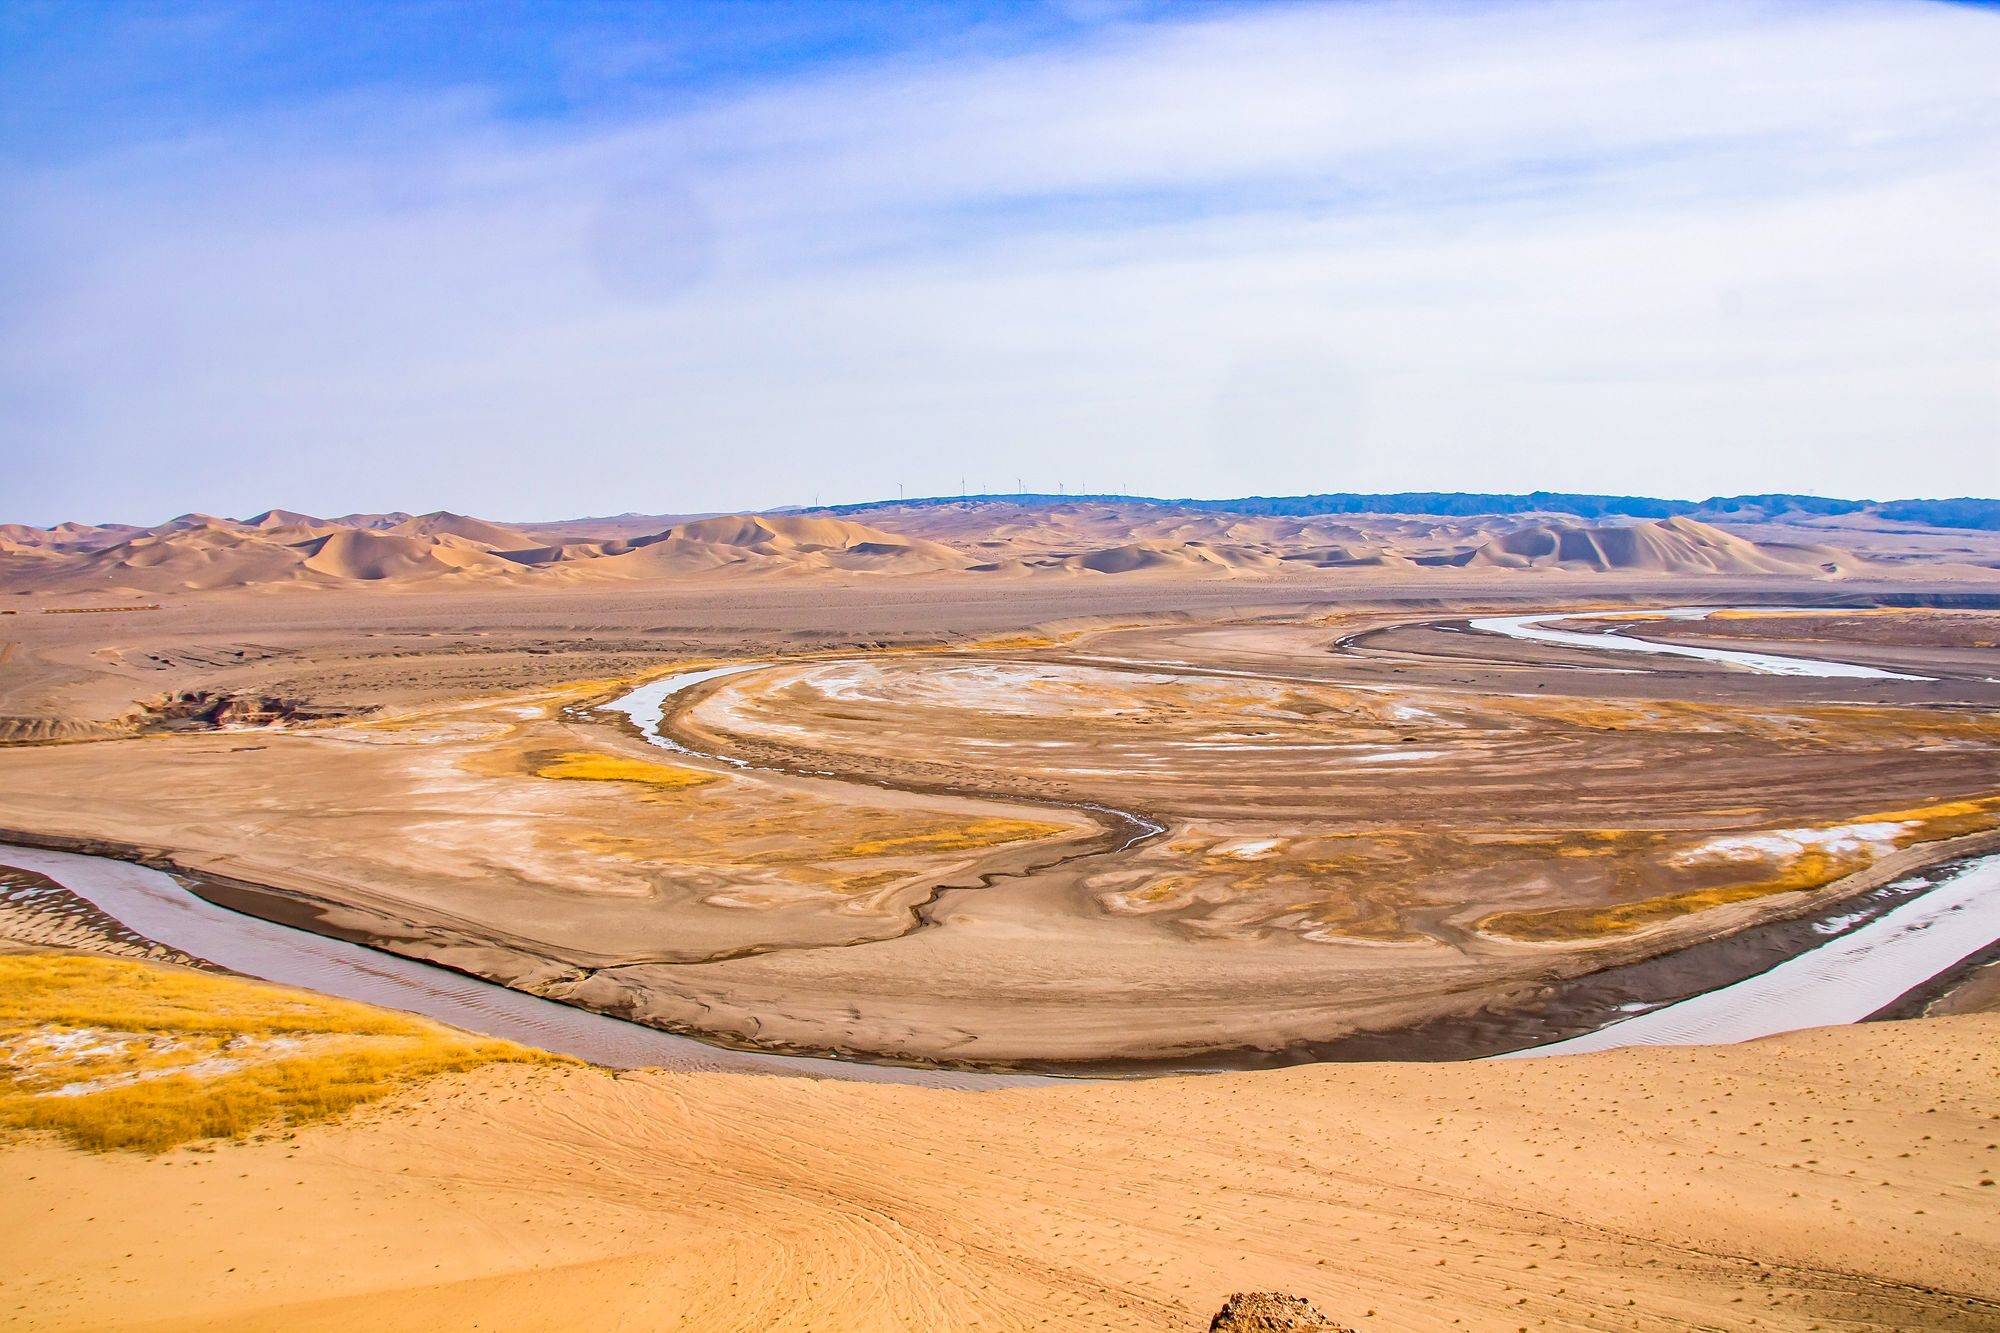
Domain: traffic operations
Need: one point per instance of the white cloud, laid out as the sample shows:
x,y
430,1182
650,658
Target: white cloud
x,y
1676,249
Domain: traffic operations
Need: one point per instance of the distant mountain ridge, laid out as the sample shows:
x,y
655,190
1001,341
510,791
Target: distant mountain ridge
x,y
1959,512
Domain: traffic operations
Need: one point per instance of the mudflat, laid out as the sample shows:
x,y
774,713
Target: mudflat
x,y
1370,818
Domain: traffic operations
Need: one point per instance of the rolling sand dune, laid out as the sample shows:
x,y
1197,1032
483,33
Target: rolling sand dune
x,y
745,543
211,558
352,554
1348,557
1154,556
286,518
1670,546
201,557
71,536
377,522
987,538
445,524
1212,546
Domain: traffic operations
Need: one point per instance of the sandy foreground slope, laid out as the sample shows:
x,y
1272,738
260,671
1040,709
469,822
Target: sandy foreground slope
x,y
1834,1179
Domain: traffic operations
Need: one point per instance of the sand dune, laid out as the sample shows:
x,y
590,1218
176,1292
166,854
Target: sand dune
x,y
199,557
1669,546
1142,539
375,522
201,553
443,523
1132,558
355,554
285,518
1146,537
193,522
70,536
218,557
775,542
1158,556
1218,544
1351,557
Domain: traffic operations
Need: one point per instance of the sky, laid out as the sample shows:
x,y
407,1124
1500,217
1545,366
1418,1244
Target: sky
x,y
540,260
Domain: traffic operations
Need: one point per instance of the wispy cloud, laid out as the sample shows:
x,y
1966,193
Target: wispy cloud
x,y
1676,249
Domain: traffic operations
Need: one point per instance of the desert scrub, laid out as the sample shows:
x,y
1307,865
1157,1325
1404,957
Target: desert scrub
x,y
109,1053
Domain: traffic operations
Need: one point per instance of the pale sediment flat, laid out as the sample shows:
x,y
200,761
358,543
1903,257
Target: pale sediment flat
x,y
1367,817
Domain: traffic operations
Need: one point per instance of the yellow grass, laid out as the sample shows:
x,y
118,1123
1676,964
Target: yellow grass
x,y
962,836
153,1056
1947,819
1007,641
1930,823
1810,871
590,767
867,883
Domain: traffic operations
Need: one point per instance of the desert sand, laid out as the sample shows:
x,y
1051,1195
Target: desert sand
x,y
1773,1185
905,835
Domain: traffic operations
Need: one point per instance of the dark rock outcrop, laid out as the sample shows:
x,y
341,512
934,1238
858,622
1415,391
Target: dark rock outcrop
x,y
201,710
1271,1312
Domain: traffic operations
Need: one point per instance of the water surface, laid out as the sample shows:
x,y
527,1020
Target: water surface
x,y
1535,628
1842,981
156,905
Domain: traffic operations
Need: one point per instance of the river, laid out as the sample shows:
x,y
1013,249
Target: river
x,y
1843,980
1535,628
156,905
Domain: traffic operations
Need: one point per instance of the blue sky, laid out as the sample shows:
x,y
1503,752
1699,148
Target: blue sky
x,y
531,260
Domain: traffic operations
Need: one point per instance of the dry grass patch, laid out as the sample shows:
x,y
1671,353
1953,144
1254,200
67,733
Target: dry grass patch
x,y
590,767
1813,870
958,836
1947,819
112,1054
1005,642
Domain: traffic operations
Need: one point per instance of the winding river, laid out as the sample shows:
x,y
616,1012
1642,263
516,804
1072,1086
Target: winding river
x,y
155,904
1853,974
1842,981
646,709
1535,629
